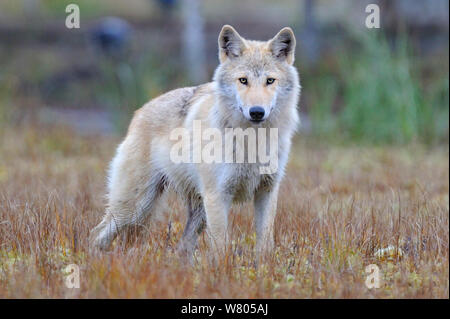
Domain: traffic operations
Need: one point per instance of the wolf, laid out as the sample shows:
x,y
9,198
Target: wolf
x,y
255,85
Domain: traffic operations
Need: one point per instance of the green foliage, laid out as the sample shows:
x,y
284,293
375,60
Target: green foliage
x,y
127,86
5,103
380,98
58,7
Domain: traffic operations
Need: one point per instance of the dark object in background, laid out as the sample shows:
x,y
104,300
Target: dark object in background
x,y
167,4
112,36
166,13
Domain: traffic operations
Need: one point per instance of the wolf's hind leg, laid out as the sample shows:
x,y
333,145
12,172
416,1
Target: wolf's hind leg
x,y
134,188
104,233
196,223
126,215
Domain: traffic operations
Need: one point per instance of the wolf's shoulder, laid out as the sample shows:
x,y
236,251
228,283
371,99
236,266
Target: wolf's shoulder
x,y
179,99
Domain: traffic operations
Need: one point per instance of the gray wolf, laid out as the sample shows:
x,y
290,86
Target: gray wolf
x,y
255,86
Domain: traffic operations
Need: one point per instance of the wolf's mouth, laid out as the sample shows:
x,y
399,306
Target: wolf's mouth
x,y
256,121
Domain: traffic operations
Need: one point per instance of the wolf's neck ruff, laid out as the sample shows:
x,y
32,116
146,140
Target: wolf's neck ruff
x,y
228,145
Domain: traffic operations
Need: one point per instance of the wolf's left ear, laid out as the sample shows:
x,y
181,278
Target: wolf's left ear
x,y
231,43
283,45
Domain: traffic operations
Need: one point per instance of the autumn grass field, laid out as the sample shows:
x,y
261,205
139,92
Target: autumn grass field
x,y
339,206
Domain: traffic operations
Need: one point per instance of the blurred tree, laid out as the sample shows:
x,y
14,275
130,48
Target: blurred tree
x,y
309,33
193,41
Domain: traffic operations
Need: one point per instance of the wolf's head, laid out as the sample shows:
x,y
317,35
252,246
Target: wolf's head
x,y
255,78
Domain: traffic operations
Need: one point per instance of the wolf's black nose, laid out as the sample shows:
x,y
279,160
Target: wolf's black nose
x,y
256,113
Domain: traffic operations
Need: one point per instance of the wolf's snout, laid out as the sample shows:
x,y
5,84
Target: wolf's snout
x,y
256,113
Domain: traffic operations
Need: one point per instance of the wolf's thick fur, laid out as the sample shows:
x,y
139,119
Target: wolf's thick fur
x,y
142,168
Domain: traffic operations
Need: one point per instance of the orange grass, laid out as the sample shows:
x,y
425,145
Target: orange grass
x,y
337,207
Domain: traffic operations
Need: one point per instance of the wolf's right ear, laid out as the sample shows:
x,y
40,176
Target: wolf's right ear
x,y
231,44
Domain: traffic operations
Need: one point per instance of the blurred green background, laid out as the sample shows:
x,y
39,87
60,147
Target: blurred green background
x,y
360,85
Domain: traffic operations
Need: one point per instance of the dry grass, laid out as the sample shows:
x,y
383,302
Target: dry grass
x,y
337,207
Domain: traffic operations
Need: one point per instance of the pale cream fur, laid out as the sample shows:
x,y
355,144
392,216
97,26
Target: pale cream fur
x,y
142,169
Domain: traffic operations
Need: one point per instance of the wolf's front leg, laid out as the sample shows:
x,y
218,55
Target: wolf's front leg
x,y
216,208
265,212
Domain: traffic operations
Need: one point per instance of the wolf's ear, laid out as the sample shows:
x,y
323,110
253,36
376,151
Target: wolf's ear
x,y
283,45
231,43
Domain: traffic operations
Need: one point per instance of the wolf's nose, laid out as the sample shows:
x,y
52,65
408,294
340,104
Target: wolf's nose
x,y
256,113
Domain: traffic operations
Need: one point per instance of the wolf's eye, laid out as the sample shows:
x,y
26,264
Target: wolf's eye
x,y
243,81
270,81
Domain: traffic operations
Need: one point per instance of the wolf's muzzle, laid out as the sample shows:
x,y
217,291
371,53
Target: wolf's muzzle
x,y
256,113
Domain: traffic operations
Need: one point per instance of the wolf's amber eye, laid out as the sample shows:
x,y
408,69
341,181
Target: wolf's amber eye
x,y
243,81
270,81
